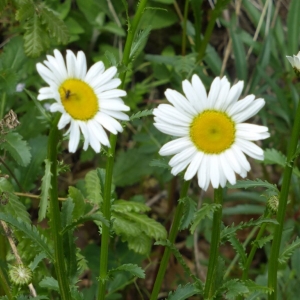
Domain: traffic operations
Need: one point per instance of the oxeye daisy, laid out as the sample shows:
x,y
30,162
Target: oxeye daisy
x,y
87,100
295,62
212,138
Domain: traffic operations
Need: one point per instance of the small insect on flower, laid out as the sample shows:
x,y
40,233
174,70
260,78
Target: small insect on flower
x,y
211,139
88,100
20,275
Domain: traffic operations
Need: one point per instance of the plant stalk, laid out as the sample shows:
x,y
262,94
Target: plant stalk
x,y
172,237
106,206
283,197
59,263
209,289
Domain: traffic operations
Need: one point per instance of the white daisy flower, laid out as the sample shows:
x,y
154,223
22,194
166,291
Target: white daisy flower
x,y
88,100
295,61
211,139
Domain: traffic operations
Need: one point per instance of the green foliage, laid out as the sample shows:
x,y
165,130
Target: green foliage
x,y
17,148
134,270
188,212
45,188
205,211
93,187
273,156
139,43
141,114
49,283
183,292
233,288
238,247
253,183
288,251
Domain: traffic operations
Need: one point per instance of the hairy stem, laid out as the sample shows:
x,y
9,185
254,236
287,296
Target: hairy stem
x,y
59,263
172,237
106,207
273,262
209,289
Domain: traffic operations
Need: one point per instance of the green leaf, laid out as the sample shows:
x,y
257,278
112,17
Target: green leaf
x,y
161,163
3,3
234,288
10,203
66,212
134,270
56,27
78,200
35,38
17,148
93,187
288,251
253,183
125,227
140,244
205,211
188,212
8,81
263,241
33,265
50,283
25,11
139,42
239,248
122,206
293,22
45,188
254,287
141,114
273,156
183,292
31,233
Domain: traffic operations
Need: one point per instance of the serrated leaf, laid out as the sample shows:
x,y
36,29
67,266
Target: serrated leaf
x,y
124,227
229,230
31,233
234,288
10,203
149,226
240,184
66,212
33,265
161,163
183,292
286,254
273,156
56,27
205,211
45,188
17,148
139,42
78,200
35,38
140,244
264,240
189,210
239,248
93,187
50,283
25,11
254,287
134,270
141,114
122,206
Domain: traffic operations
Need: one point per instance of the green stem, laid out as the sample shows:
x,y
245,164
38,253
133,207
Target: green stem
x,y
209,29
2,107
185,14
172,237
5,285
106,207
59,263
209,289
273,262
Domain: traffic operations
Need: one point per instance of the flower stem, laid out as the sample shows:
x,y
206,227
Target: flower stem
x,y
214,246
273,262
59,262
106,206
185,15
4,284
172,236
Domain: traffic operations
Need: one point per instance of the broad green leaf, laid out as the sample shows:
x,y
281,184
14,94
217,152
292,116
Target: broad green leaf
x,y
293,22
10,203
273,156
93,187
113,28
125,227
141,114
17,148
140,244
45,188
161,163
122,206
134,270
31,233
25,11
8,80
205,211
49,283
188,212
78,200
56,27
183,292
253,183
288,251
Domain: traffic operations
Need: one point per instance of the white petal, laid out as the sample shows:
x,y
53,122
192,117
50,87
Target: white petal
x,y
71,64
64,120
74,137
47,75
57,107
203,173
251,132
214,171
232,161
233,95
241,158
179,167
175,146
171,112
61,62
200,91
85,133
225,87
193,166
95,70
59,70
240,105
291,60
112,84
113,104
109,123
112,94
191,95
250,149
182,156
169,129
80,65
116,114
102,79
250,111
214,92
97,132
227,169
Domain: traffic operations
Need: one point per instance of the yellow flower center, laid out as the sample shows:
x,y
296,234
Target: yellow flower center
x,y
78,99
212,132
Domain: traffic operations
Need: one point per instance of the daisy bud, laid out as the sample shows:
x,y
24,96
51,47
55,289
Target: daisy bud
x,y
272,204
20,275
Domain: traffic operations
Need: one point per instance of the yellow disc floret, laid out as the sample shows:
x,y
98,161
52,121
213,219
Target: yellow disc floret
x,y
78,99
212,131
